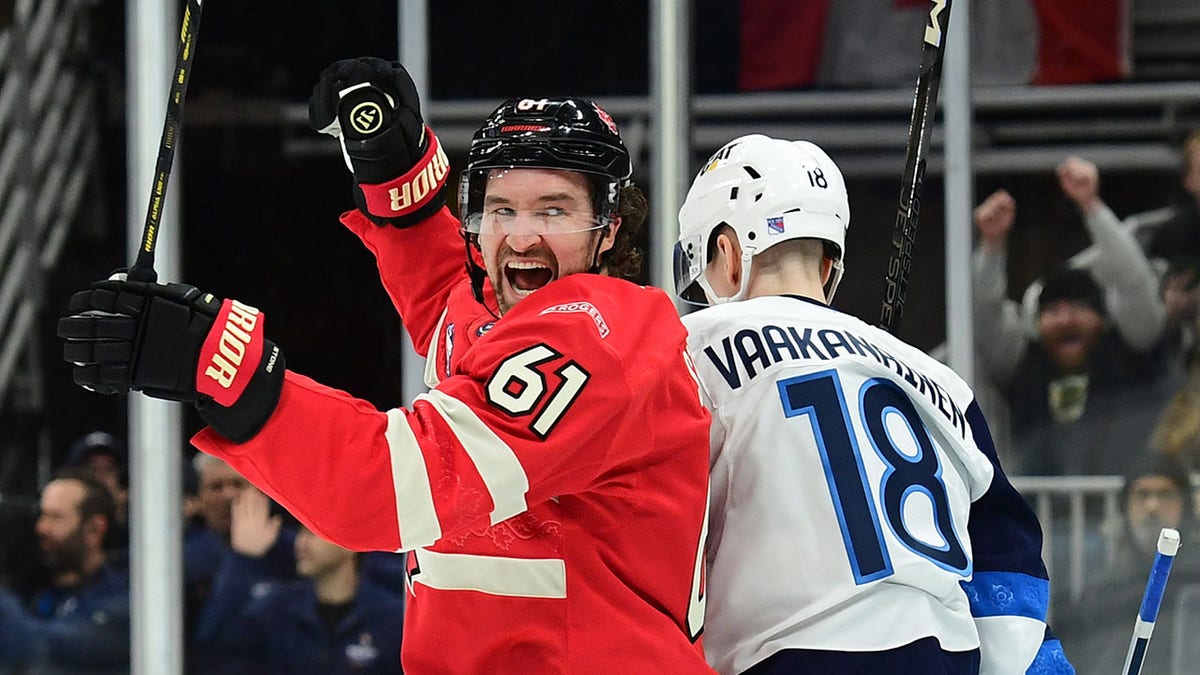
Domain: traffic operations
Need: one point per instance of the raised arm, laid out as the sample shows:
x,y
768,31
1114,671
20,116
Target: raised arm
x,y
1131,287
1000,335
399,169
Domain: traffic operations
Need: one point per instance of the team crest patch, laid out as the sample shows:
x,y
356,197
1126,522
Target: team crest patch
x,y
775,225
484,328
583,307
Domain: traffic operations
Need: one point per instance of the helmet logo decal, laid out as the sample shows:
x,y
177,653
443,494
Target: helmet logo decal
x,y
532,104
718,159
775,225
514,128
607,119
366,117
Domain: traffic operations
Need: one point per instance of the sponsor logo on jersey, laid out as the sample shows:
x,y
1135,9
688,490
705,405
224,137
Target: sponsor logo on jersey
x,y
775,225
582,307
484,328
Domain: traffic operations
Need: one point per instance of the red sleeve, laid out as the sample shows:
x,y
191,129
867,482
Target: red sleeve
x,y
418,266
527,416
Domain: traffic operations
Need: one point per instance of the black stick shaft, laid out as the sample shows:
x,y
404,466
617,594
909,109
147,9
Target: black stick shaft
x,y
904,233
143,266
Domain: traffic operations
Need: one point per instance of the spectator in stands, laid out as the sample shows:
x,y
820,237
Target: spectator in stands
x,y
1080,396
79,623
207,546
104,455
1063,365
1178,430
1181,300
1096,630
331,621
1174,232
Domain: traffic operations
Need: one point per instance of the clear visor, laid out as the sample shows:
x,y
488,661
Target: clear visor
x,y
689,270
529,201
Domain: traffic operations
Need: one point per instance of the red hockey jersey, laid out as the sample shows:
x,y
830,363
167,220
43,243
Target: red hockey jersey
x,y
552,488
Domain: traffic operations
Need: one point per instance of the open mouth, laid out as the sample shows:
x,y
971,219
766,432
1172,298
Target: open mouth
x,y
526,276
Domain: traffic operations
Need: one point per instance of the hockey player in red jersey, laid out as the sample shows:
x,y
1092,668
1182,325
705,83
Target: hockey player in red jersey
x,y
551,487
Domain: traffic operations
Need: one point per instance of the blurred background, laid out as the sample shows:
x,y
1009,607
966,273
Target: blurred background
x,y
1115,83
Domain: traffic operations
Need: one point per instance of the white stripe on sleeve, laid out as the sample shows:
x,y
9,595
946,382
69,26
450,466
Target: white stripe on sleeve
x,y
415,511
497,464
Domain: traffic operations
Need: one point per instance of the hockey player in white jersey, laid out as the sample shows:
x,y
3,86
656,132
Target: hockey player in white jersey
x,y
861,522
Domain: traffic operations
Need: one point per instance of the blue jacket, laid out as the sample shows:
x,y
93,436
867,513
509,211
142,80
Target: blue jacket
x,y
204,553
79,630
278,624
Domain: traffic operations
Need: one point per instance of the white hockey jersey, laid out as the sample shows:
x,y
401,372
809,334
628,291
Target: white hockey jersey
x,y
857,503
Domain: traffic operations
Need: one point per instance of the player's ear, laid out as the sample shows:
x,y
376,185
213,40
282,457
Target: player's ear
x,y
610,235
826,269
730,255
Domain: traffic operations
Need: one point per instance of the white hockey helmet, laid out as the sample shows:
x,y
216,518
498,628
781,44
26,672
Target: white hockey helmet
x,y
768,190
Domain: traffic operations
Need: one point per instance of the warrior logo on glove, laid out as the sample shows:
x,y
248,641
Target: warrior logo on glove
x,y
241,340
172,341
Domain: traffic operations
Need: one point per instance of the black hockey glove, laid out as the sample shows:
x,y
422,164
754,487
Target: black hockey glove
x,y
371,107
173,342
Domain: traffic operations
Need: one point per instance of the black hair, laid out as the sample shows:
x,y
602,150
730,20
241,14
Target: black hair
x,y
1160,464
1070,283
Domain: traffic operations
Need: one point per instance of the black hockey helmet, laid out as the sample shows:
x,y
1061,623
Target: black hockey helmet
x,y
569,134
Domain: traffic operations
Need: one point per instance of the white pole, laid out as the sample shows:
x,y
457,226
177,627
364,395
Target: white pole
x,y
155,427
670,90
413,34
959,193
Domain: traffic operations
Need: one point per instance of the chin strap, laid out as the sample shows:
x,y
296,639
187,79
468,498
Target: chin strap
x,y
476,274
743,286
596,265
835,278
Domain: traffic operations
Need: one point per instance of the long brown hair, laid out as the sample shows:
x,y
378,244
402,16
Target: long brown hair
x,y
624,260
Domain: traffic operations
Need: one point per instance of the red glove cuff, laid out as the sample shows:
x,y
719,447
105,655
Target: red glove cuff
x,y
408,193
231,352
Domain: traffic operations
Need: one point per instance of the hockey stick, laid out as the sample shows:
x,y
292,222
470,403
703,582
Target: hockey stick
x,y
1143,628
143,266
904,233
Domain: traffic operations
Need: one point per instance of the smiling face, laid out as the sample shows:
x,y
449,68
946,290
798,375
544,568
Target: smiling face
x,y
1068,330
538,225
